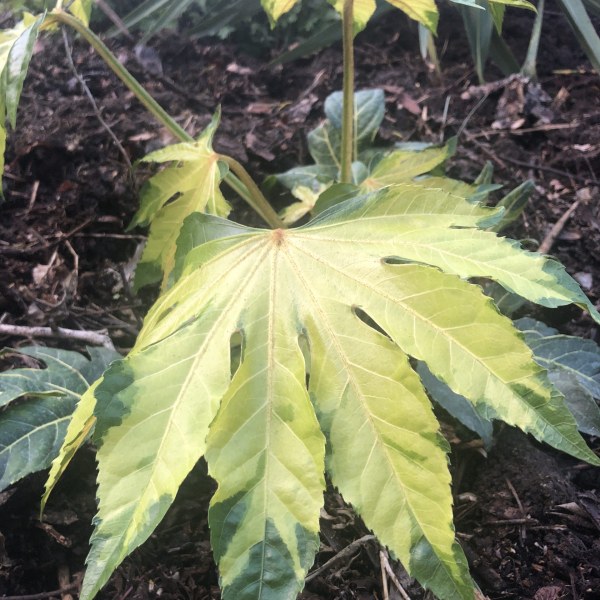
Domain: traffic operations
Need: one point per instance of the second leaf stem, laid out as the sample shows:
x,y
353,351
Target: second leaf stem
x,y
348,93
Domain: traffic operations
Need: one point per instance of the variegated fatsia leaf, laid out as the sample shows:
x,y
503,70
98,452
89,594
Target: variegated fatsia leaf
x,y
317,299
189,184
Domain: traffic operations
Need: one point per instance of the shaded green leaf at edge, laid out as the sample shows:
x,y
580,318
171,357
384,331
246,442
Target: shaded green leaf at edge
x,y
12,75
574,368
514,204
66,373
478,25
31,435
456,405
578,355
32,431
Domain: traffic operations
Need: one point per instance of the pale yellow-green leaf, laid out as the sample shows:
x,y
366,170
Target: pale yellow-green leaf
x,y
80,426
362,11
307,199
82,9
368,398
423,11
403,165
190,184
163,409
266,452
516,3
276,8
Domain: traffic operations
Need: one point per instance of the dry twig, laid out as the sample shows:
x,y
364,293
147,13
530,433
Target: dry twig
x,y
341,555
42,595
93,338
549,240
385,563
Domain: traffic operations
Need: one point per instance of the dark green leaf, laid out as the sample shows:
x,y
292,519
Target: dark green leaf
x,y
514,204
32,430
456,405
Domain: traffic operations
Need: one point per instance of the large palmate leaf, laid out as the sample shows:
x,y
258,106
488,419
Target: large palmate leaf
x,y
32,430
16,48
397,258
190,184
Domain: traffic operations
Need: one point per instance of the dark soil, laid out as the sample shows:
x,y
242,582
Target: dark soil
x,y
527,517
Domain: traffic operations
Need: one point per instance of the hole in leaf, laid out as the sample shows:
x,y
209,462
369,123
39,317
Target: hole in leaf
x,y
173,198
367,320
304,344
236,351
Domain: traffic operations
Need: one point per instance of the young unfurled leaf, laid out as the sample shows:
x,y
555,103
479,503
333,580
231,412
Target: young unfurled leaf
x,y
376,168
399,258
369,110
16,48
324,142
189,185
307,200
32,430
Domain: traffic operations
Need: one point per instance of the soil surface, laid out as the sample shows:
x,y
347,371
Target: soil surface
x,y
527,517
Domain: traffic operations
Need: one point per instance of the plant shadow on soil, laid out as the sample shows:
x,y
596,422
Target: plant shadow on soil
x,y
527,517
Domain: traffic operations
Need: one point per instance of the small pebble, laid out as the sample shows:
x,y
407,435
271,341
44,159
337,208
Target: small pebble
x,y
585,280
